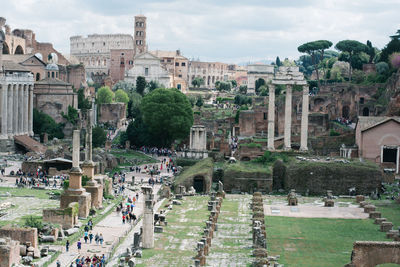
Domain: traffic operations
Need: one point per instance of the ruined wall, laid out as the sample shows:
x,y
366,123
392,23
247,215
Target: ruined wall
x,y
22,235
330,145
317,177
373,253
246,181
113,113
64,217
9,252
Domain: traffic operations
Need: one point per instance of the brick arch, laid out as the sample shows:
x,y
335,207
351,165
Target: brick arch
x,y
19,50
373,253
6,49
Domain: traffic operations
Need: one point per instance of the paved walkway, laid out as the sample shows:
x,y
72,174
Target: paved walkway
x,y
111,227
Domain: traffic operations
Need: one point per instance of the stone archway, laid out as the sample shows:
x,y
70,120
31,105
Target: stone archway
x,y
6,49
19,50
199,184
365,112
346,112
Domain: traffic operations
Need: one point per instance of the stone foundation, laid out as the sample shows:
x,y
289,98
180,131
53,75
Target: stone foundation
x,y
373,253
9,252
96,192
67,217
23,235
81,197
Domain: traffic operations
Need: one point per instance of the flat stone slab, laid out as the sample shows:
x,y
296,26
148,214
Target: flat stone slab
x,y
314,211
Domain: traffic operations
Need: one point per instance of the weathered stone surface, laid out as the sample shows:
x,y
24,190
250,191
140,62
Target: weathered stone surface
x,y
71,231
375,214
379,220
386,226
369,208
360,198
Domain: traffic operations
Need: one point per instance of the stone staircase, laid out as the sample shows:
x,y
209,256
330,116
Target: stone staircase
x,y
30,144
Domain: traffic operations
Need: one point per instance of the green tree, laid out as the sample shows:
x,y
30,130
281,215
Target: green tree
x,y
153,85
43,123
259,82
352,48
72,115
224,86
140,85
370,51
390,48
133,105
126,86
99,136
382,67
197,82
243,89
278,62
121,96
138,134
168,115
104,95
316,51
234,83
199,102
83,103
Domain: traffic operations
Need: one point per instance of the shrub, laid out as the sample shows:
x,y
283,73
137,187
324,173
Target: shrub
x,y
382,67
34,222
333,133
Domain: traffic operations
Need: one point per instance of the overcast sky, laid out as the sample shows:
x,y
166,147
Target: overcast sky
x,y
230,31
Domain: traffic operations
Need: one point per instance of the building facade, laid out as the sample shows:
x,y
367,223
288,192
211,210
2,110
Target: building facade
x,y
211,72
94,50
258,71
16,100
149,66
140,45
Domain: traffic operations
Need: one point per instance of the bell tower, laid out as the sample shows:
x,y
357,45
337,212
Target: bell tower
x,y
140,34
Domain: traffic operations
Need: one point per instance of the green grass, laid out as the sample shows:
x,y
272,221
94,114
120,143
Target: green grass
x,y
23,192
389,210
309,242
247,166
176,245
200,167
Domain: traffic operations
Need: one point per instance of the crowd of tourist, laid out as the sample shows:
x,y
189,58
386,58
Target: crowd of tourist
x,y
344,121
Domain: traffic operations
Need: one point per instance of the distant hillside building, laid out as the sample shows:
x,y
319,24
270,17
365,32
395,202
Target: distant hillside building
x,y
211,72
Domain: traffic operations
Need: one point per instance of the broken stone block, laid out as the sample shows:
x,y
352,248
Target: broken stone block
x,y
22,250
71,231
138,253
392,233
379,220
386,226
176,202
36,253
360,198
44,252
369,208
48,238
158,229
374,214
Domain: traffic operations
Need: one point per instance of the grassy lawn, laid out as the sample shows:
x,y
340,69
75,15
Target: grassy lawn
x,y
232,242
176,245
317,242
24,192
389,210
131,155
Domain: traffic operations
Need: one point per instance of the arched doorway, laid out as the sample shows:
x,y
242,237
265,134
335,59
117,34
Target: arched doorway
x,y
19,50
259,82
6,50
365,111
199,184
346,112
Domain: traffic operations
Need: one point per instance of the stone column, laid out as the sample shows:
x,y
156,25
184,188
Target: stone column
x,y
191,139
271,117
148,218
304,120
288,117
26,110
10,110
4,100
30,111
75,175
20,108
15,110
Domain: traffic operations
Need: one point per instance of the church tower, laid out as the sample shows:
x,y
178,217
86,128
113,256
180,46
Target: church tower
x,y
140,34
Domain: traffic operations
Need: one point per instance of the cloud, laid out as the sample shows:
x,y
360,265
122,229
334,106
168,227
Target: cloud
x,y
228,31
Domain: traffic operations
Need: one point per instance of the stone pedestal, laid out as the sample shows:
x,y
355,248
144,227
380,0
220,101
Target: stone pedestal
x,y
148,218
81,196
96,192
88,169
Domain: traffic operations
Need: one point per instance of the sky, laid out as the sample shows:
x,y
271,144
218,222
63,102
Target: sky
x,y
230,31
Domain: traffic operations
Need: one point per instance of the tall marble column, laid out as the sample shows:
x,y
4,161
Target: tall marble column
x,y
75,174
15,110
271,118
288,117
30,111
26,110
20,108
304,120
191,139
10,110
148,217
4,100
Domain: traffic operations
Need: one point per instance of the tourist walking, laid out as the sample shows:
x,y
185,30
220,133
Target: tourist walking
x,y
79,245
101,239
90,237
96,238
67,246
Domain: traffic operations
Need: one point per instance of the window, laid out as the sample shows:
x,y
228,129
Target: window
x,y
183,64
265,116
177,64
37,76
130,62
146,71
92,44
52,74
169,60
104,43
180,75
361,100
178,86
